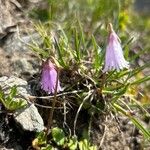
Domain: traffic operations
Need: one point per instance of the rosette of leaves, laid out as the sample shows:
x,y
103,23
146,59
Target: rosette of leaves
x,y
10,102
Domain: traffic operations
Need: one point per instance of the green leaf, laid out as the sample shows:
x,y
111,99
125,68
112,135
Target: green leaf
x,y
1,94
122,90
82,38
85,145
116,91
15,104
128,42
140,127
132,58
145,132
41,138
139,81
77,46
58,48
58,136
131,73
13,91
10,102
93,148
48,147
98,55
137,70
72,144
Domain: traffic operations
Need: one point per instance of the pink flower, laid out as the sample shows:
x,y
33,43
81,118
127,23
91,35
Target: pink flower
x,y
49,78
114,58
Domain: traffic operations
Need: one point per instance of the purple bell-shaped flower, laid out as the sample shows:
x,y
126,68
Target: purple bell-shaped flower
x,y
49,78
114,58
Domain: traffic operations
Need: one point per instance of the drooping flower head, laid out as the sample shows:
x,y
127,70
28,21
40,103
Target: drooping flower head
x,y
49,78
114,58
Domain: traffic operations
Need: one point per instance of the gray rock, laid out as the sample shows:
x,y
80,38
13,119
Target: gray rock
x,y
6,19
27,117
23,66
20,44
17,47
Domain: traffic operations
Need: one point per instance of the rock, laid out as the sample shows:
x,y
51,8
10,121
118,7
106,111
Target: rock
x,y
14,49
28,118
23,66
6,18
16,32
11,64
14,43
4,63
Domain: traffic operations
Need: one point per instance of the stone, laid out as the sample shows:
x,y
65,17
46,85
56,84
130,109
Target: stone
x,y
23,65
6,19
4,63
19,43
28,118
